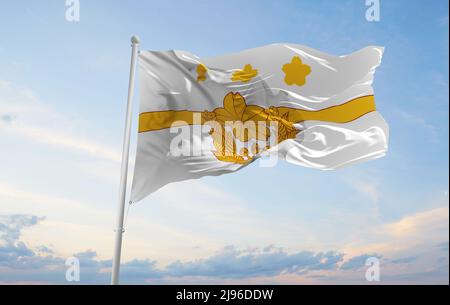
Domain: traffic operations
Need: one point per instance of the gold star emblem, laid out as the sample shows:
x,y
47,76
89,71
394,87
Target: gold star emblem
x,y
245,74
296,72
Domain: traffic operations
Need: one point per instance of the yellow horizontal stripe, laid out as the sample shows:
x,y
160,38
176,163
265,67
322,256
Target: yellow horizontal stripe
x,y
343,113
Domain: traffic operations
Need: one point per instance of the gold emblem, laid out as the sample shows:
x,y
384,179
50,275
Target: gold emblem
x,y
201,72
296,72
247,125
244,75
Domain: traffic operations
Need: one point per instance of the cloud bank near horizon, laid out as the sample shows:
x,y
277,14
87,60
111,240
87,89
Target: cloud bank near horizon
x,y
21,263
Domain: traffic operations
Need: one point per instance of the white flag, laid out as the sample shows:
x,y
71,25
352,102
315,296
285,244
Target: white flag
x,y
213,116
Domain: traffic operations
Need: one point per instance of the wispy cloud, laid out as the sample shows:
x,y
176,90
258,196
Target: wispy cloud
x,y
24,114
63,140
428,224
415,235
421,123
369,189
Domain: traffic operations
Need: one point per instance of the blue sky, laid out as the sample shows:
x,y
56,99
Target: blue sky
x,y
63,88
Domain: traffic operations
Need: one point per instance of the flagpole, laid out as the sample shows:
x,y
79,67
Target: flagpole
x,y
124,169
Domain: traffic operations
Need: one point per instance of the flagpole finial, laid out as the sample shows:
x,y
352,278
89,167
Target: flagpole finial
x,y
135,40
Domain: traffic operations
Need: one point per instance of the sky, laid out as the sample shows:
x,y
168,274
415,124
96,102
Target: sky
x,y
63,88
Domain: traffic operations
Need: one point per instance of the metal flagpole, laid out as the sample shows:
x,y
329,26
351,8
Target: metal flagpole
x,y
124,171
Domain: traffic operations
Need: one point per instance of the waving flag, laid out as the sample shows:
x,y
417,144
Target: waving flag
x,y
213,116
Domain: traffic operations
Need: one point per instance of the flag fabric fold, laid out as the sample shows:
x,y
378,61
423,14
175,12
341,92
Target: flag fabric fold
x,y
213,116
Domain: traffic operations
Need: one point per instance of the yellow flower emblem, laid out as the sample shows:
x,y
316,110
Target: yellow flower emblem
x,y
201,72
245,74
296,72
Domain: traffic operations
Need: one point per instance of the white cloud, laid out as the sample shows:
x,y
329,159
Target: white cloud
x,y
409,234
229,265
431,225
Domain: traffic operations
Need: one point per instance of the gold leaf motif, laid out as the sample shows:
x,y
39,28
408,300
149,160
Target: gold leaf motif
x,y
237,112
